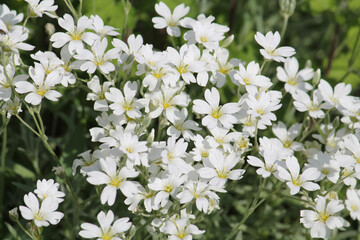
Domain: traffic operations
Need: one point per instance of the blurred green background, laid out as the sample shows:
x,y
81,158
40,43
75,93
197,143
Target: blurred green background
x,y
324,31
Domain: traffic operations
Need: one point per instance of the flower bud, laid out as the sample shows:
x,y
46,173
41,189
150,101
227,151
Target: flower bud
x,y
150,138
49,29
336,122
13,214
316,78
228,41
287,7
60,171
307,123
132,232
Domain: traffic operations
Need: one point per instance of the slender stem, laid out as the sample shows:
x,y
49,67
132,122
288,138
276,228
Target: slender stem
x,y
26,20
262,66
2,170
250,210
71,8
29,234
285,23
338,183
80,7
28,126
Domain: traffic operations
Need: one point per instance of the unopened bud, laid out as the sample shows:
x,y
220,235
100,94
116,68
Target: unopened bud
x,y
60,171
150,138
336,122
316,78
287,7
132,232
308,64
228,41
49,29
307,123
13,214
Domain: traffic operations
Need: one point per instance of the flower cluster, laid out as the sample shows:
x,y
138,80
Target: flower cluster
x,y
41,208
171,152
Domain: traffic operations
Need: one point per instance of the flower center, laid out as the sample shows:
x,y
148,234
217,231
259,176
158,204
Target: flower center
x,y
116,181
270,168
166,104
41,91
168,188
354,208
287,143
314,107
260,111
204,38
182,69
204,154
222,173
170,156
75,35
247,81
215,113
323,216
38,216
127,106
106,236
129,150
293,81
325,171
296,180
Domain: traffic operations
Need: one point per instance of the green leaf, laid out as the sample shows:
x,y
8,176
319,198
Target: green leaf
x,y
13,232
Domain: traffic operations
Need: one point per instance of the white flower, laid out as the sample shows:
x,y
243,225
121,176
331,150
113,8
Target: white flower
x,y
287,137
303,103
97,58
181,229
114,179
168,19
262,106
295,180
88,162
107,230
181,126
129,50
100,29
269,42
166,99
132,147
293,78
268,166
204,31
75,35
173,156
353,203
250,76
326,165
186,61
42,215
13,41
202,193
126,104
166,186
45,6
333,97
322,219
12,107
5,83
217,115
48,189
219,169
98,93
42,86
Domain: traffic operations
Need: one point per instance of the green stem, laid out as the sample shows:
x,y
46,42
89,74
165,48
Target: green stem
x,y
250,210
80,7
26,20
262,66
285,23
338,183
27,233
2,171
28,126
71,8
